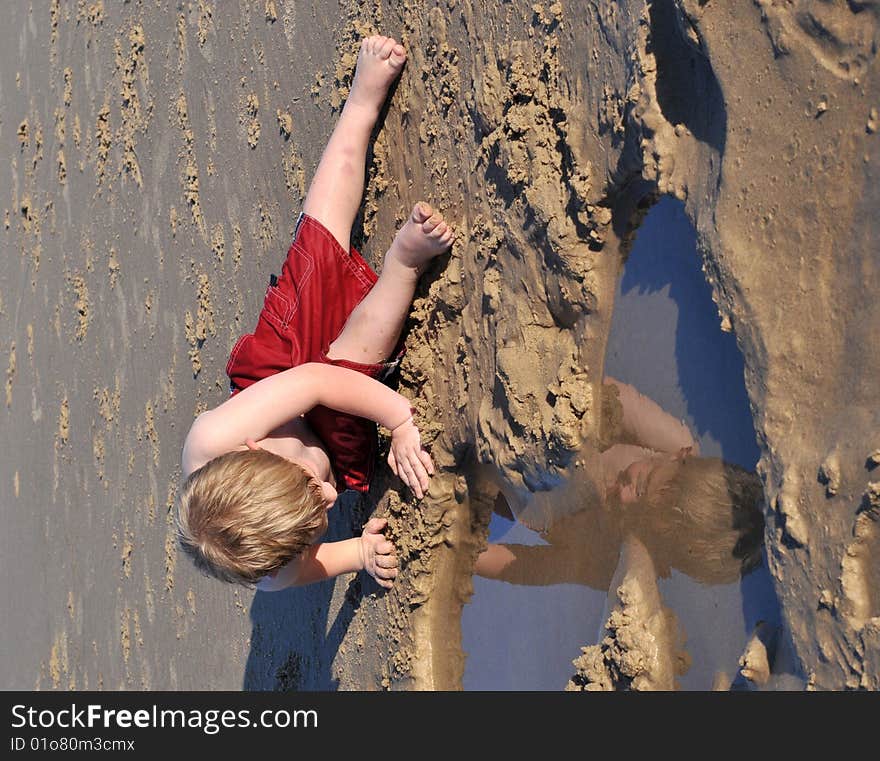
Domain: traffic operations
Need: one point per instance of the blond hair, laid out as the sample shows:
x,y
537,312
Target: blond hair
x,y
707,521
247,513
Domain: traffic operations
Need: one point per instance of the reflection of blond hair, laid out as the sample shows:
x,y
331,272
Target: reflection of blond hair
x,y
247,513
706,521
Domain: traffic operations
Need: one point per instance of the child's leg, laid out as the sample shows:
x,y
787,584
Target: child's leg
x,y
373,328
335,193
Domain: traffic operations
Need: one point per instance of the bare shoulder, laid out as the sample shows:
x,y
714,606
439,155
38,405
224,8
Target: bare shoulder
x,y
197,448
252,413
284,577
621,456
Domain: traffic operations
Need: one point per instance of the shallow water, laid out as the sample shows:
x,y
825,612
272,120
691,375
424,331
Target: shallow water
x,y
666,342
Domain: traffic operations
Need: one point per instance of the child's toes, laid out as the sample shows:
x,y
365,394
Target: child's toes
x,y
421,212
440,230
431,223
385,48
398,56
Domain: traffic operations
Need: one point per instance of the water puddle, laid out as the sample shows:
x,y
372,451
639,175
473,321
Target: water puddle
x,y
666,510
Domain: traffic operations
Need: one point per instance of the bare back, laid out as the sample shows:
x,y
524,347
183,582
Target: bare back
x,y
295,439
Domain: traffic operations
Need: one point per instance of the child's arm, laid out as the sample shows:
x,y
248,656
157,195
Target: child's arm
x,y
647,424
259,409
370,552
542,565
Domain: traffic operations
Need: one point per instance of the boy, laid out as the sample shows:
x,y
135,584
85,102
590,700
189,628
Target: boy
x,y
263,468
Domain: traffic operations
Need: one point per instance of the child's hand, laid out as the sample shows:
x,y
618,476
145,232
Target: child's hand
x,y
686,452
377,553
408,460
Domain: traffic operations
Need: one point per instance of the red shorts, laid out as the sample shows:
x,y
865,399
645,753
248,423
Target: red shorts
x,y
304,311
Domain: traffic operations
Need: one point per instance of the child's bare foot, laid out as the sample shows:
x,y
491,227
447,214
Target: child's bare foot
x,y
423,236
379,63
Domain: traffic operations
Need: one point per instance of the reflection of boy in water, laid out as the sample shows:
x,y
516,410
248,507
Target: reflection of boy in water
x,y
697,514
